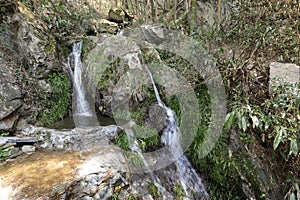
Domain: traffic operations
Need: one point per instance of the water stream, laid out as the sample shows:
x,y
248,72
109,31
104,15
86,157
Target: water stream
x,y
171,137
134,146
81,105
83,115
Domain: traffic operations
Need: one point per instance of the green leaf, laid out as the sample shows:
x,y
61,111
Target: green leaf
x,y
278,139
230,117
294,146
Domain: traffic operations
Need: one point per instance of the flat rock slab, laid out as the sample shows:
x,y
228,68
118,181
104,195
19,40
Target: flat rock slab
x,y
77,139
52,174
17,140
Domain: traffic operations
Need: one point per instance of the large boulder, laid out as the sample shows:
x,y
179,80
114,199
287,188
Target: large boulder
x,y
92,168
73,140
10,97
65,175
32,40
116,15
118,67
120,15
105,26
128,66
285,72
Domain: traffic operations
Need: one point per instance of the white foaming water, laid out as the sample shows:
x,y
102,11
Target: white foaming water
x,y
134,146
159,101
171,137
81,106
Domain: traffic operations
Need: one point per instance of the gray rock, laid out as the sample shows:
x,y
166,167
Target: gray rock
x,y
22,124
8,106
117,15
130,67
28,148
9,123
14,152
32,51
35,43
75,139
111,131
88,198
153,34
97,176
105,26
44,85
95,26
285,72
5,145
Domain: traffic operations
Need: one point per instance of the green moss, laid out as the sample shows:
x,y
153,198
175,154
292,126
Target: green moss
x,y
50,47
87,45
174,104
58,100
153,190
131,197
122,141
148,138
4,153
179,191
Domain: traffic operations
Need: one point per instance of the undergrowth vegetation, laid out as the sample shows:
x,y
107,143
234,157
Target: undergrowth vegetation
x,y
58,99
259,123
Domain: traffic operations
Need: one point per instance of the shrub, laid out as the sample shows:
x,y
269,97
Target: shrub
x,y
59,99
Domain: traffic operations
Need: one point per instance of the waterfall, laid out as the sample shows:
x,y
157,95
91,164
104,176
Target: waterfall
x,y
188,177
134,146
159,101
83,115
81,106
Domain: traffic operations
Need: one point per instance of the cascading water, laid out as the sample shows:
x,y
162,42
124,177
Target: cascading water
x,y
181,169
83,115
159,101
134,146
81,105
190,180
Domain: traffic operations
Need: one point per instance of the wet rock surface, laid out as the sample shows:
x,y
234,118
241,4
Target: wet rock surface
x,y
129,74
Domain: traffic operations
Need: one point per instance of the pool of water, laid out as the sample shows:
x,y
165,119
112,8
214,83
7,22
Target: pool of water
x,y
68,123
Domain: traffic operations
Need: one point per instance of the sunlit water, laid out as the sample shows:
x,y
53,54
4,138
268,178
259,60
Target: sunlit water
x,y
171,137
82,106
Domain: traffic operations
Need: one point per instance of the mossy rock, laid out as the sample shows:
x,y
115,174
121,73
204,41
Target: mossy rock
x,y
116,15
119,15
